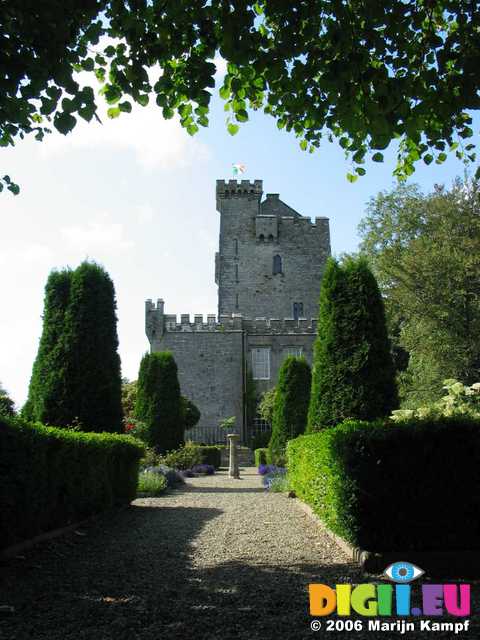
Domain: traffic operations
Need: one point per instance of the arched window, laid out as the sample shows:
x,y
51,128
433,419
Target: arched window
x,y
277,264
270,237
261,237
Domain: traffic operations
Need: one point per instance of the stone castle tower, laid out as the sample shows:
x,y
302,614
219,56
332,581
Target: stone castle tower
x,y
268,270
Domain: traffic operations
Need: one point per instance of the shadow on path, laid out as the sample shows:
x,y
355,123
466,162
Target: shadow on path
x,y
133,577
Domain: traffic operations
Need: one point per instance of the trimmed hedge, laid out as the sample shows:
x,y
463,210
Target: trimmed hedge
x,y
211,454
387,486
50,477
262,456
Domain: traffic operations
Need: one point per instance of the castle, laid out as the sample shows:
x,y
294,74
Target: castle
x,y
268,271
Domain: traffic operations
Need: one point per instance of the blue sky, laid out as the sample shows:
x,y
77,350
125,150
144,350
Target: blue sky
x,y
137,195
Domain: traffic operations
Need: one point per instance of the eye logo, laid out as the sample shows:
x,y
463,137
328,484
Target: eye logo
x,y
403,572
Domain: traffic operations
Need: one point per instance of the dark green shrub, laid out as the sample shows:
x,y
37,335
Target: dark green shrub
x,y
92,363
185,457
159,403
47,393
291,406
76,375
262,456
7,406
191,454
261,440
353,372
191,413
51,477
384,486
211,454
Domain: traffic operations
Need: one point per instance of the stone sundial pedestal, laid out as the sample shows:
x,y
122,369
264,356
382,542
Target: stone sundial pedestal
x,y
233,470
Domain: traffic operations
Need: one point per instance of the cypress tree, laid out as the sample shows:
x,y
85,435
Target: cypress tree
x,y
353,373
159,403
47,395
90,347
291,405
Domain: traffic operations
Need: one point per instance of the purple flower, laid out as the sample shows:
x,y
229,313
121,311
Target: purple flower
x,y
208,469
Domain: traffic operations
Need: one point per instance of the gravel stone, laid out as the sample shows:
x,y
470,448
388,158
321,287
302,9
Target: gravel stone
x,y
217,558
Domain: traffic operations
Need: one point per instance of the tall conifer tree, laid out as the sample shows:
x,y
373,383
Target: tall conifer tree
x,y
76,375
47,400
159,403
290,410
353,373
90,345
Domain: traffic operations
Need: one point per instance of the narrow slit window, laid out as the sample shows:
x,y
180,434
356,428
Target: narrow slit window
x,y
236,301
277,264
235,244
297,310
236,272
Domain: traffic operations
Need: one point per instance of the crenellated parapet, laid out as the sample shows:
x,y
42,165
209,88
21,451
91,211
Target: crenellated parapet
x,y
157,323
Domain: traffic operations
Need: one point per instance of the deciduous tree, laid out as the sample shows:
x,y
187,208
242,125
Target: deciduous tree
x,y
364,73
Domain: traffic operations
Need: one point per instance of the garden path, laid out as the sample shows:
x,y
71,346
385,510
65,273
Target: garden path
x,y
217,559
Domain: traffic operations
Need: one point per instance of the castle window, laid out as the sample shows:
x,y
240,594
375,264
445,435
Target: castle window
x,y
261,363
236,272
277,264
261,237
235,244
297,310
236,301
293,351
270,237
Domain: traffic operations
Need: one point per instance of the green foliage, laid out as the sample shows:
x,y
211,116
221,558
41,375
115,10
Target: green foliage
x,y
7,406
137,429
291,405
387,487
262,456
425,251
211,454
191,413
129,397
190,454
266,405
279,484
152,484
460,400
228,424
414,82
55,477
47,394
76,375
159,403
353,373
183,458
90,351
261,440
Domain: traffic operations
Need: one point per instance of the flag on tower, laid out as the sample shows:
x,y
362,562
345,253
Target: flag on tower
x,y
238,169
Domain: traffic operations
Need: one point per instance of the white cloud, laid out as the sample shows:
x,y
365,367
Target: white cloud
x,y
95,237
155,142
26,256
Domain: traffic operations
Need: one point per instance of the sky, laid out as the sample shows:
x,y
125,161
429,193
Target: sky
x,y
137,195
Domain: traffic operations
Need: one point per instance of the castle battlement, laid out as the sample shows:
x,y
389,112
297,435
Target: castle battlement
x,y
158,323
235,188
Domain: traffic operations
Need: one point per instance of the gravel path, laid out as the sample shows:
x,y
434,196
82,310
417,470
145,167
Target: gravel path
x,y
217,559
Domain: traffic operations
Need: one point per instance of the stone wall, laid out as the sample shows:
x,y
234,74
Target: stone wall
x,y
210,370
251,234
